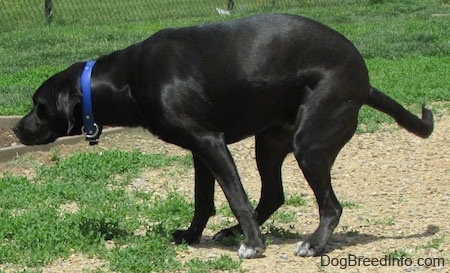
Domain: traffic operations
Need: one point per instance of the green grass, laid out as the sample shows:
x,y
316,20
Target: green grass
x,y
35,230
410,80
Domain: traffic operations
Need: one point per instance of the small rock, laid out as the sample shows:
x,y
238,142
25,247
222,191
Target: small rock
x,y
138,182
212,256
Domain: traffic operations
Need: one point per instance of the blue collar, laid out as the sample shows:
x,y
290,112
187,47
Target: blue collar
x,y
90,129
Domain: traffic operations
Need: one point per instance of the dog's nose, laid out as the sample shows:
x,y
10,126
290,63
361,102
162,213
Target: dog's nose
x,y
15,129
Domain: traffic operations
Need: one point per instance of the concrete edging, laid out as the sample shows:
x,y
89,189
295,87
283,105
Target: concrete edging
x,y
9,153
7,122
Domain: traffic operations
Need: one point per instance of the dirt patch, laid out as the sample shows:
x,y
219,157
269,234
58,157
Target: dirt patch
x,y
397,182
7,138
76,263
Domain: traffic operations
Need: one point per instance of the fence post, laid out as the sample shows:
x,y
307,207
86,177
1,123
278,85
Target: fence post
x,y
230,5
48,10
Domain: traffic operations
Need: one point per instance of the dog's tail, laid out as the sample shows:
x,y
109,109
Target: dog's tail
x,y
421,127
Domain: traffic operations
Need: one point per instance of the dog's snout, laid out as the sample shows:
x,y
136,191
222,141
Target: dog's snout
x,y
18,130
15,129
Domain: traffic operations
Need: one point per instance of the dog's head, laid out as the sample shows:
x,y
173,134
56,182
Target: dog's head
x,y
56,111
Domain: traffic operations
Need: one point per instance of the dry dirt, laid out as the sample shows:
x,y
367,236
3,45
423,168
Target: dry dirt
x,y
399,182
7,138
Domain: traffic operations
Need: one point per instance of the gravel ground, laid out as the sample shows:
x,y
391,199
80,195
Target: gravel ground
x,y
399,183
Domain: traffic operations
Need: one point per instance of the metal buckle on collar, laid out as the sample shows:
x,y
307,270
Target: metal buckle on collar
x,y
92,136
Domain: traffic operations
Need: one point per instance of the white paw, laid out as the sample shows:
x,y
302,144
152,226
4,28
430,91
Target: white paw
x,y
247,252
304,249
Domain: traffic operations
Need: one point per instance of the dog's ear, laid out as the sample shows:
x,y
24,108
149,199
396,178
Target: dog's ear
x,y
66,104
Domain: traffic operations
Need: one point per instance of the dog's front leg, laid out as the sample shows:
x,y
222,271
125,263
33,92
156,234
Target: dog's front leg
x,y
204,204
213,151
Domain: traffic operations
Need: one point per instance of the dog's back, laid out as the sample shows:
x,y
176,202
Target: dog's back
x,y
243,64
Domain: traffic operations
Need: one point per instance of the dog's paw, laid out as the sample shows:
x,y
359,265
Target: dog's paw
x,y
247,252
185,236
305,249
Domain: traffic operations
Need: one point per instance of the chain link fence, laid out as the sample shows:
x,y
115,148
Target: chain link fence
x,y
16,14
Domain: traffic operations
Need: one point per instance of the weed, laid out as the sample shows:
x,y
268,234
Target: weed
x,y
223,263
55,153
398,253
102,228
281,232
283,216
434,243
349,204
295,200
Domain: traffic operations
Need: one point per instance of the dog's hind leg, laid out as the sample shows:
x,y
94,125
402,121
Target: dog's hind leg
x,y
325,125
272,146
204,204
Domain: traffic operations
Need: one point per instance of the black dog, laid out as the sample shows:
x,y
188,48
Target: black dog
x,y
293,83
